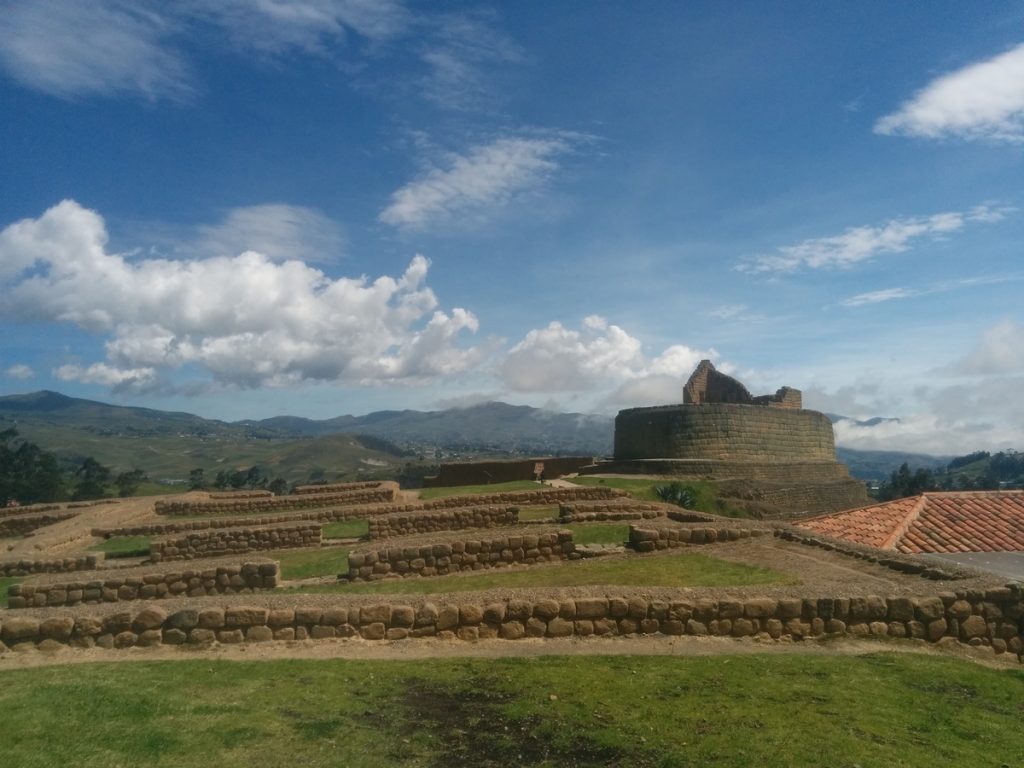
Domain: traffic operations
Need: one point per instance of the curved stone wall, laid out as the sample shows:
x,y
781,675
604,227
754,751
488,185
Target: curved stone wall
x,y
723,432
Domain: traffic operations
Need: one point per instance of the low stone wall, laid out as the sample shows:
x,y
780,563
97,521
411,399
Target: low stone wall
x,y
19,525
380,495
407,524
304,490
137,584
983,618
254,494
230,541
650,538
441,558
27,509
597,512
26,567
545,496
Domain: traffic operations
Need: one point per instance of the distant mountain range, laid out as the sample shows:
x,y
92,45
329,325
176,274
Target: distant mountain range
x,y
176,441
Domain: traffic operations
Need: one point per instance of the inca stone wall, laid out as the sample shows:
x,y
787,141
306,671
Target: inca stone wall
x,y
19,525
409,523
256,505
609,511
723,432
451,556
26,567
337,487
984,618
647,538
229,541
139,584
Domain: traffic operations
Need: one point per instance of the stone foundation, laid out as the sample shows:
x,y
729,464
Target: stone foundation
x,y
650,538
407,524
597,512
140,584
440,558
385,493
19,525
230,541
26,567
989,618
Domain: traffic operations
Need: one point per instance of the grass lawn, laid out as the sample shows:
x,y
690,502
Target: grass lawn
x,y
599,533
5,582
346,529
123,546
732,712
308,563
668,570
465,490
538,513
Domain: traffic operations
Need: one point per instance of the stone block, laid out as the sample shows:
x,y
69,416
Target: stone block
x,y
375,630
152,617
559,627
211,618
546,610
58,628
760,608
245,616
201,635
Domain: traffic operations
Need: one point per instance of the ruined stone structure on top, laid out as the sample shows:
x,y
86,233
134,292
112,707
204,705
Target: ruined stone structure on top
x,y
707,385
777,452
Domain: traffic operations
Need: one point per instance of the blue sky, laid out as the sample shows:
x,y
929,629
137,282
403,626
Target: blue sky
x,y
247,208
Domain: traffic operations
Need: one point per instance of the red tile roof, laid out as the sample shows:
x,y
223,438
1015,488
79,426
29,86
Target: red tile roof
x,y
969,521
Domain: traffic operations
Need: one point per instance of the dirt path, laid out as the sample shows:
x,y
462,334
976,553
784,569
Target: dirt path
x,y
426,649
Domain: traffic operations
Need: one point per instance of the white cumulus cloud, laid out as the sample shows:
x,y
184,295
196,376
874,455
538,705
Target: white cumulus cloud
x,y
598,356
859,244
487,175
242,319
984,100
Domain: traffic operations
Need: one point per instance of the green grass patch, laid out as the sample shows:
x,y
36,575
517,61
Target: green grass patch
x,y
538,513
704,493
599,533
346,529
5,582
650,712
123,546
466,490
689,569
309,563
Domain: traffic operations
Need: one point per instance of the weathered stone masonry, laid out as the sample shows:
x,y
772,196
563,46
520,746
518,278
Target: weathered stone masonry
x,y
984,618
437,558
140,585
405,523
229,541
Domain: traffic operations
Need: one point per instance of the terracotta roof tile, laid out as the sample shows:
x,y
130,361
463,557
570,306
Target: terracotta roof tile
x,y
972,521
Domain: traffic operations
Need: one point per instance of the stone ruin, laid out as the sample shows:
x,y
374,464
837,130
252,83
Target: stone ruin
x,y
707,385
766,449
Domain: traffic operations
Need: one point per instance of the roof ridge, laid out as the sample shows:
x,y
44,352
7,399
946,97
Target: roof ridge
x,y
904,526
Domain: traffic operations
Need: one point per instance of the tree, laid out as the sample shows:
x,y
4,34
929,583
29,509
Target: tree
x,y
903,483
128,482
28,474
195,480
279,486
93,478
